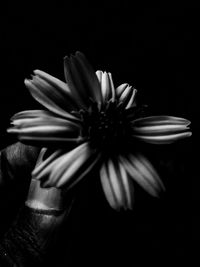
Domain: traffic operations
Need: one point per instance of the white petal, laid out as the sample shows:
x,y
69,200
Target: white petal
x,y
70,162
161,120
86,169
111,86
41,165
99,75
144,176
46,100
120,89
158,129
60,163
114,176
108,191
54,81
132,102
163,139
127,186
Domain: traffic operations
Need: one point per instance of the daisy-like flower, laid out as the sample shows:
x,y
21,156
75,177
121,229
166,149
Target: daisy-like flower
x,y
90,124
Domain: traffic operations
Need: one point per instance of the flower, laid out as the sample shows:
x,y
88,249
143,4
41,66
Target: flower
x,y
90,124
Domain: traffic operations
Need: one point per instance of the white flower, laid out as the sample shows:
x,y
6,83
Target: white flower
x,y
89,122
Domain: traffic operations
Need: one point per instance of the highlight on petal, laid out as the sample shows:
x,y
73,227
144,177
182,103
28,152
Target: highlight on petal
x,y
116,186
132,102
128,187
126,95
142,172
107,187
107,86
160,129
37,126
41,117
82,79
161,120
68,169
55,82
51,98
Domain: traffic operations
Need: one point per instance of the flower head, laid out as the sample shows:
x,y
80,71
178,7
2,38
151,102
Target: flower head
x,y
90,123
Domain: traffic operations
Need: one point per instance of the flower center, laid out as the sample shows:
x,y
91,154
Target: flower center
x,y
106,127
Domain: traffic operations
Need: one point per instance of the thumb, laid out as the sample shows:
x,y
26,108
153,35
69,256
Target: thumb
x,y
35,231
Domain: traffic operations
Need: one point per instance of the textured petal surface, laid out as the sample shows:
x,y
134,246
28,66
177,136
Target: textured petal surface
x,y
107,86
161,129
142,171
40,126
50,97
82,80
107,187
116,185
66,169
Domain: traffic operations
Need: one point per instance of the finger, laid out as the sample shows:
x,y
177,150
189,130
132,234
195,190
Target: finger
x,y
17,161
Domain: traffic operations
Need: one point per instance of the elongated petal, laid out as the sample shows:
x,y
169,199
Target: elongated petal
x,y
40,117
107,87
82,80
128,187
141,171
72,167
68,157
163,139
161,129
112,86
99,74
115,181
61,86
160,120
120,89
88,77
80,174
42,164
107,188
126,94
63,98
45,130
48,97
132,102
27,119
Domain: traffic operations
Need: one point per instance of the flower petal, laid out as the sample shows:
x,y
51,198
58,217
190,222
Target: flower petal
x,y
88,167
31,118
160,120
114,176
49,97
141,171
128,187
40,127
162,139
132,102
107,87
82,79
161,129
99,74
68,158
61,86
120,89
107,188
93,88
61,96
68,169
42,164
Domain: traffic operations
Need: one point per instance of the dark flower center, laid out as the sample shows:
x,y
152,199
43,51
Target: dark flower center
x,y
107,127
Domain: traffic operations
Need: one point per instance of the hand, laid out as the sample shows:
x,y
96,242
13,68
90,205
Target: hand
x,y
27,240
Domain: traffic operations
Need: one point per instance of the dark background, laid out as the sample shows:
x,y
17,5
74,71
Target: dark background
x,y
154,47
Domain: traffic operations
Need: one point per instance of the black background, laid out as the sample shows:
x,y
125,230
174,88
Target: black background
x,y
154,47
